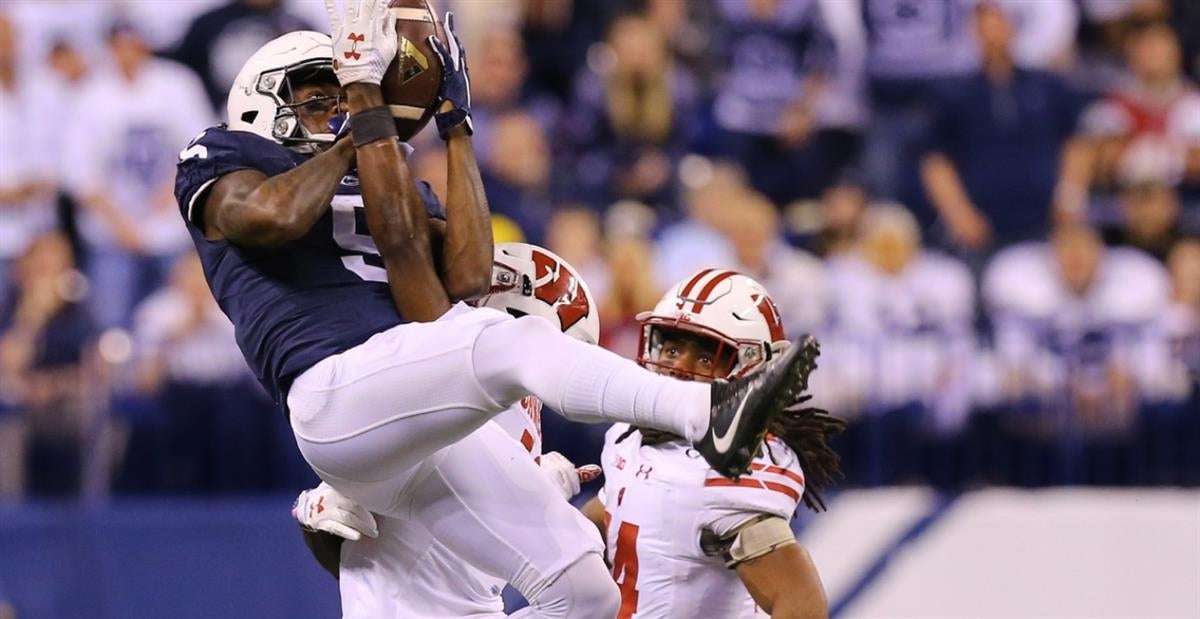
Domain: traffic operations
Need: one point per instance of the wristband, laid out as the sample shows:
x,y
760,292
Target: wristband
x,y
372,125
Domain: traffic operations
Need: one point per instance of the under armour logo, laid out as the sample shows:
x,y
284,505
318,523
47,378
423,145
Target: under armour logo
x,y
643,471
353,53
619,463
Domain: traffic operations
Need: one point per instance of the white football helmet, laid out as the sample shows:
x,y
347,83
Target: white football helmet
x,y
722,305
259,101
532,280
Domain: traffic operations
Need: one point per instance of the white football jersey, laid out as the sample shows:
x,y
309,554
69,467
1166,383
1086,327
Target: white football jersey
x,y
659,499
411,575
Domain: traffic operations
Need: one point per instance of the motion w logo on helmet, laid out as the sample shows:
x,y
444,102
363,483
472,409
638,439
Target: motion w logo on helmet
x,y
558,288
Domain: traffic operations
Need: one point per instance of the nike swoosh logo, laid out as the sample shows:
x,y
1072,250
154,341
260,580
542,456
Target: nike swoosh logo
x,y
723,442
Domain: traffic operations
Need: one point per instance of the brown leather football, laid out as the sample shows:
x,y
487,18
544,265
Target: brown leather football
x,y
411,84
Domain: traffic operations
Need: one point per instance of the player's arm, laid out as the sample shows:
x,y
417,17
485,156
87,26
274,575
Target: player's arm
x,y
594,510
466,257
249,209
364,44
328,519
785,583
396,214
326,548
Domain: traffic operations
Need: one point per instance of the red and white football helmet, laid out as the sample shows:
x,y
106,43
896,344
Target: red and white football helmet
x,y
532,280
722,305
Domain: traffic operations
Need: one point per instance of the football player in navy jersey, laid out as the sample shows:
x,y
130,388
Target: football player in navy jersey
x,y
345,304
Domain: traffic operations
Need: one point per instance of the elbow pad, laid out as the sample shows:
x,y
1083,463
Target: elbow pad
x,y
757,537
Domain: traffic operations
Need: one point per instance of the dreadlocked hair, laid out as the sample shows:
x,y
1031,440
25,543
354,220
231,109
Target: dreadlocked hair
x,y
806,430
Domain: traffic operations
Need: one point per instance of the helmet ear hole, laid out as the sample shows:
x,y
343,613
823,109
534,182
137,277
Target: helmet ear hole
x,y
248,117
515,313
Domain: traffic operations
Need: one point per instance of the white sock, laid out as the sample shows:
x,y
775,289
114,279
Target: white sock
x,y
585,383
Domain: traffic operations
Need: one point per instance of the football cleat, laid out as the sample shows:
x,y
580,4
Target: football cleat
x,y
743,407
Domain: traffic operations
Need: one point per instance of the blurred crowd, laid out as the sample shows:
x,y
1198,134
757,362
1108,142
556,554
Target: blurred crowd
x,y
987,210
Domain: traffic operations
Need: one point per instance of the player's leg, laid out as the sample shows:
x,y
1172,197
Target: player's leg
x,y
724,420
583,382
486,501
376,411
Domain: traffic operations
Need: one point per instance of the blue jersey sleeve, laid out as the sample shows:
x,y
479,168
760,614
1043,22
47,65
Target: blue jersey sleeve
x,y
217,152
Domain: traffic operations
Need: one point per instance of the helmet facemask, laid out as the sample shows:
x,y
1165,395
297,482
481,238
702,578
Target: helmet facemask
x,y
741,356
281,85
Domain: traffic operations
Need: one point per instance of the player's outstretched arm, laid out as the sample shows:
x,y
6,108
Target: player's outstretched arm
x,y
249,209
364,44
785,583
466,258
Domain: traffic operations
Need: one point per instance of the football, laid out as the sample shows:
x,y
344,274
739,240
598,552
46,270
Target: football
x,y
410,86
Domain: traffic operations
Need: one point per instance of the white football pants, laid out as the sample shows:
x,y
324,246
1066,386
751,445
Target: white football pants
x,y
368,421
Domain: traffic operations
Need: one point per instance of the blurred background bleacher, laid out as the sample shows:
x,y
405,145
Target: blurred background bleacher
x,y
987,210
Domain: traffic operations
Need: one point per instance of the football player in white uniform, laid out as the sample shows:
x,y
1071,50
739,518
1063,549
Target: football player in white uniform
x,y
683,541
395,567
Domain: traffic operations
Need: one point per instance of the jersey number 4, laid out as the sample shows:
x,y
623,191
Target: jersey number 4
x,y
625,568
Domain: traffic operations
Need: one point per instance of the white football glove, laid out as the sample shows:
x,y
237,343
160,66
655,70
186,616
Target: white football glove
x,y
325,509
364,40
565,476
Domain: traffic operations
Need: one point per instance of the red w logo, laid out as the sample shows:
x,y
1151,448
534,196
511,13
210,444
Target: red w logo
x,y
557,287
353,53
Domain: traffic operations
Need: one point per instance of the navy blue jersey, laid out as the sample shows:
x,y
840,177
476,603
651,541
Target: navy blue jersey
x,y
301,302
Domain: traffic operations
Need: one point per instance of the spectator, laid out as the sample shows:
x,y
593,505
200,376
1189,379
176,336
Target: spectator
x,y
517,173
691,29
778,53
1156,109
1150,214
1068,316
795,279
842,206
45,356
1044,32
899,344
631,289
842,115
632,118
58,91
698,240
574,234
1183,321
501,88
1004,113
904,309
212,421
26,187
128,126
559,39
913,50
218,42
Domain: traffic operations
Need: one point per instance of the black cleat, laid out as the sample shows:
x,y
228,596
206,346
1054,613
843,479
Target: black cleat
x,y
743,407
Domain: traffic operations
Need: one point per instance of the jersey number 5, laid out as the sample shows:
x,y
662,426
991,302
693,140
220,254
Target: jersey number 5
x,y
351,235
625,568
